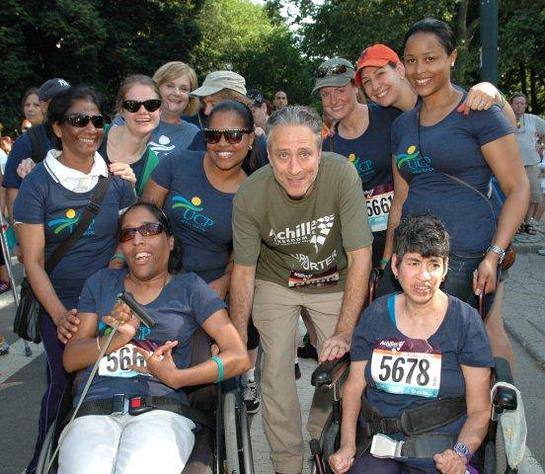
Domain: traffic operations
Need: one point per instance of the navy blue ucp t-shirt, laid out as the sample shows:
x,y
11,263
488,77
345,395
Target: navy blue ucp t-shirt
x,y
183,305
453,146
402,373
41,200
370,153
22,149
200,215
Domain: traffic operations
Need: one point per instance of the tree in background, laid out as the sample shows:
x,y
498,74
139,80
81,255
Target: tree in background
x,y
255,42
344,28
90,41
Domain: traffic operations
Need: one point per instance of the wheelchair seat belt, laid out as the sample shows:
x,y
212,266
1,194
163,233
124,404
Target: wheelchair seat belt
x,y
418,424
123,404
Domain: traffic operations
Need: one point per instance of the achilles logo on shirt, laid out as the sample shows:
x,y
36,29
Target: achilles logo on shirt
x,y
191,212
414,161
314,232
69,222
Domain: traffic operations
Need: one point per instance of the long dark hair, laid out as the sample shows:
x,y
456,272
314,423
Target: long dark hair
x,y
175,264
252,159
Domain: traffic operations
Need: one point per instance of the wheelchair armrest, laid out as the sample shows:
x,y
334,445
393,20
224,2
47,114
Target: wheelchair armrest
x,y
504,398
325,373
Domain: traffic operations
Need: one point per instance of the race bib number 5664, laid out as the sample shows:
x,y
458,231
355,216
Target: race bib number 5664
x,y
119,363
408,373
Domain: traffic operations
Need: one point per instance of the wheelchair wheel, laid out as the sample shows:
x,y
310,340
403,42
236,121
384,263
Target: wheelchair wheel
x,y
329,442
500,455
232,458
46,452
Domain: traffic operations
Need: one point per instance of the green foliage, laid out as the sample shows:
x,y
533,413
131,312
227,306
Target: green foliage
x,y
345,28
88,41
255,42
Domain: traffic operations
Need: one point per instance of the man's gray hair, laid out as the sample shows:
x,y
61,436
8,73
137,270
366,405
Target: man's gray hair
x,y
296,115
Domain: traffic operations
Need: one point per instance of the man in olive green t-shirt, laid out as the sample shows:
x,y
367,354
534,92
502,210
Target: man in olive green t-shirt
x,y
301,240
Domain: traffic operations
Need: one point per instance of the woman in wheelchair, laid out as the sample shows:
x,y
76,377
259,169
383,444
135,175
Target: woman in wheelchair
x,y
148,366
421,359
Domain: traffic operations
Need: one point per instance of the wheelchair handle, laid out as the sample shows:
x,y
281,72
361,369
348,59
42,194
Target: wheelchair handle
x,y
138,311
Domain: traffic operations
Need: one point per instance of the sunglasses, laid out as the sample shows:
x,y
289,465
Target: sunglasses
x,y
82,120
231,135
145,230
133,106
332,70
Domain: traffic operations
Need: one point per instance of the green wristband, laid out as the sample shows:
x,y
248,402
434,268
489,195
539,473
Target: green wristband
x,y
118,256
219,363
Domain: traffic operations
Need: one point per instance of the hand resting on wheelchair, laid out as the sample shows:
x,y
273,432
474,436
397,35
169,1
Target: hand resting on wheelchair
x,y
421,359
131,419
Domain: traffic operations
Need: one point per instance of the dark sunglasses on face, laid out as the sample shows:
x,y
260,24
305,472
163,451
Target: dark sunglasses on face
x,y
133,106
332,70
82,120
145,230
231,135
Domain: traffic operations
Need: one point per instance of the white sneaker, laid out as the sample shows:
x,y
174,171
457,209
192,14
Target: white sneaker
x,y
541,252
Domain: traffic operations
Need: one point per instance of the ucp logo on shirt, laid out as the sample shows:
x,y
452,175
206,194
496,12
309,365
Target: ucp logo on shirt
x,y
415,162
191,212
365,168
69,222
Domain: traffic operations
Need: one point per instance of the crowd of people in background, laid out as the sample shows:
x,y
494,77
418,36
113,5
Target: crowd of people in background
x,y
281,213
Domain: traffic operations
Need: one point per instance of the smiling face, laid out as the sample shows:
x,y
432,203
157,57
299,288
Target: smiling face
x,y
224,155
141,122
175,95
294,154
420,277
32,109
427,63
383,84
338,102
147,257
80,142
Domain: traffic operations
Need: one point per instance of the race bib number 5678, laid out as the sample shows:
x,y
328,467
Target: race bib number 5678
x,y
408,373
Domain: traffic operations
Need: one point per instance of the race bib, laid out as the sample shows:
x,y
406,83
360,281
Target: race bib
x,y
117,363
398,368
379,201
315,280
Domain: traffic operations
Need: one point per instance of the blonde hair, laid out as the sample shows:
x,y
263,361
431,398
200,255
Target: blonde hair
x,y
173,70
130,81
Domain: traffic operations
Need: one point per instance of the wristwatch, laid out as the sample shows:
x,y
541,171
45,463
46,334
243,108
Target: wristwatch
x,y
463,451
497,250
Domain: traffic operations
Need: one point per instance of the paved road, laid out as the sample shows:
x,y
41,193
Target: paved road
x,y
22,379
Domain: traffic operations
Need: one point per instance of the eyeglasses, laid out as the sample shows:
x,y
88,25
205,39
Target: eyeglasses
x,y
82,120
231,135
332,70
145,230
133,106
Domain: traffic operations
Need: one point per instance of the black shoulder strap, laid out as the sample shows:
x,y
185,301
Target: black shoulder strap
x,y
39,148
91,210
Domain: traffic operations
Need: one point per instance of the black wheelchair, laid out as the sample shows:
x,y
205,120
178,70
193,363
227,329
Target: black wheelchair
x,y
222,444
330,376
